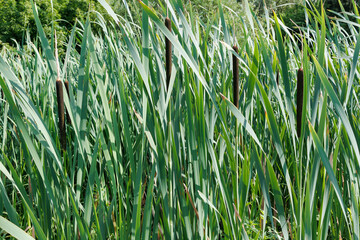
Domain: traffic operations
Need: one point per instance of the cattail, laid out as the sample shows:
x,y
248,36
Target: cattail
x,y
168,53
299,99
236,77
68,120
60,102
277,77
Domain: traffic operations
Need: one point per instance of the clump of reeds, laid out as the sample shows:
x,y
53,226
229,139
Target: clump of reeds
x,y
299,99
168,53
236,77
138,151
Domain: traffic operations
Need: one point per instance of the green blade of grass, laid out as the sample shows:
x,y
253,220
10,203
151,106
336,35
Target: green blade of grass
x,y
14,230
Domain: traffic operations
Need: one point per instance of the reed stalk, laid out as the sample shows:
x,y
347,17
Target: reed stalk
x,y
299,99
236,78
61,114
168,50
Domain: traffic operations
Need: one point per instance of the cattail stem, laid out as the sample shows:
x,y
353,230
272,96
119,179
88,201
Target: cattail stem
x,y
168,54
60,102
2,96
68,120
299,99
236,77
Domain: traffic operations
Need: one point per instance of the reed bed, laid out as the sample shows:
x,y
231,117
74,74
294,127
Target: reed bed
x,y
154,155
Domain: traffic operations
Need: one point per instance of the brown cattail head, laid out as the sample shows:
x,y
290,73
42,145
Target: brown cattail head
x,y
236,77
68,120
299,99
277,77
60,102
168,53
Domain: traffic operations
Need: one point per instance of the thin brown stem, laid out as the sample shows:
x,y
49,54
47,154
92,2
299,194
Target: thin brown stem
x,y
191,201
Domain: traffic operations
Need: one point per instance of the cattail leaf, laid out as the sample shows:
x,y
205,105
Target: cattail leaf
x,y
44,42
14,230
338,108
328,168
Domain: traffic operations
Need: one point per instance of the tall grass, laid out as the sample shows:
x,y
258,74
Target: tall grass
x,y
147,160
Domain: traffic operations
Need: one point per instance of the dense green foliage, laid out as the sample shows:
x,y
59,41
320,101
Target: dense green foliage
x,y
145,160
16,16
